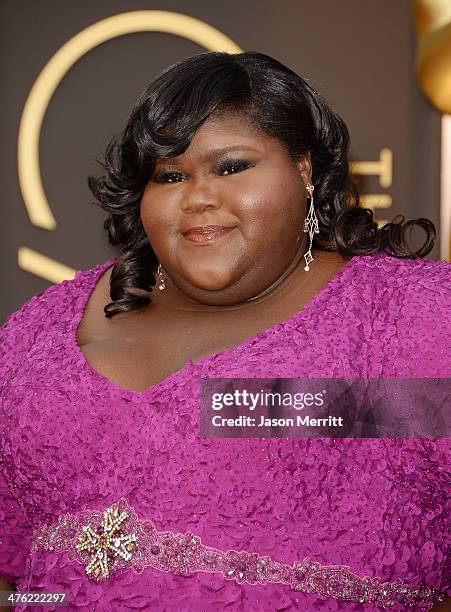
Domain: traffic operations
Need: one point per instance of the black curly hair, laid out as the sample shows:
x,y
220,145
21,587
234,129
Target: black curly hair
x,y
274,100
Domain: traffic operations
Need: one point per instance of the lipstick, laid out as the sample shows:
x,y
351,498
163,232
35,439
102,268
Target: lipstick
x,y
206,233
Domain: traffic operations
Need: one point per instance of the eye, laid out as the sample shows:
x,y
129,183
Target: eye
x,y
233,165
166,177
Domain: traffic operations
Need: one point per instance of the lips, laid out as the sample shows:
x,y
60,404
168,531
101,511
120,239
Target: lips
x,y
207,233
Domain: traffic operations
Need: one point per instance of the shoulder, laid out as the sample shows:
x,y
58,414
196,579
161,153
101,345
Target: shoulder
x,y
55,295
410,324
394,270
39,315
405,280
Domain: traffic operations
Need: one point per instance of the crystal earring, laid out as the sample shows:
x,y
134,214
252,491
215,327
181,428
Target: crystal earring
x,y
160,275
310,226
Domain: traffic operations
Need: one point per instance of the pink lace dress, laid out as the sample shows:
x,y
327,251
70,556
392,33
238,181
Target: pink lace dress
x,y
112,497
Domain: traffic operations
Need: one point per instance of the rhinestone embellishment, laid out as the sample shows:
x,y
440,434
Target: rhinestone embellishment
x,y
116,539
105,543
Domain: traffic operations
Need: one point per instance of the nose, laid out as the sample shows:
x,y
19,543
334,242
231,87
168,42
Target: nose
x,y
199,197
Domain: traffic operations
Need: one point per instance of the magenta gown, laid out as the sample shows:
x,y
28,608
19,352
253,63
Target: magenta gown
x,y
73,444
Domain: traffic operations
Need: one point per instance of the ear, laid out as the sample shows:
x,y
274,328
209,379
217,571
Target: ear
x,y
304,164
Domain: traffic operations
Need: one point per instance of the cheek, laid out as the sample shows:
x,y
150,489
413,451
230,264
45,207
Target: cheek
x,y
273,210
156,219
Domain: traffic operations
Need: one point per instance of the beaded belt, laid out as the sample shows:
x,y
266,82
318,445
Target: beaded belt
x,y
116,539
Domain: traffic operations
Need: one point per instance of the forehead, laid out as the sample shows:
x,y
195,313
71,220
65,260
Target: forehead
x,y
222,134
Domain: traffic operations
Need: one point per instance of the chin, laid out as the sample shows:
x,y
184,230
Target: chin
x,y
212,281
211,285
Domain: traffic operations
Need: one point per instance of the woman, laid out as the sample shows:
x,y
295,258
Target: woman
x,y
229,188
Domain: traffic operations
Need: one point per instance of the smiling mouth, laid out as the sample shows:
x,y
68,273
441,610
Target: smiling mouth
x,y
207,236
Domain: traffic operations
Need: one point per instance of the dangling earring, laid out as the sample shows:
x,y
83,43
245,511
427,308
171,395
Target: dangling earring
x,y
310,226
160,275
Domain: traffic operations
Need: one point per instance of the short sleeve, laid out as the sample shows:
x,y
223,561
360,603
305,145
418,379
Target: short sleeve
x,y
18,334
14,341
21,329
16,338
15,535
38,316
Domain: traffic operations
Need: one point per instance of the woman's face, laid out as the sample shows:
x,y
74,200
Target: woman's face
x,y
254,189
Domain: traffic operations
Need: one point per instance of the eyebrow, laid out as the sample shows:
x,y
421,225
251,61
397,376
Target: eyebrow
x,y
207,156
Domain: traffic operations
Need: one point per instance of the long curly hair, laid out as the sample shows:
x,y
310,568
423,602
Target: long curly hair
x,y
275,101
